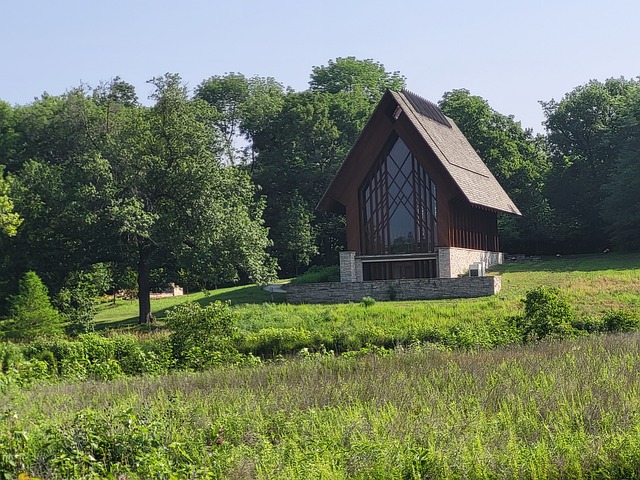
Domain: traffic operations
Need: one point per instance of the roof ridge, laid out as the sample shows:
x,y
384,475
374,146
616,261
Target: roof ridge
x,y
426,108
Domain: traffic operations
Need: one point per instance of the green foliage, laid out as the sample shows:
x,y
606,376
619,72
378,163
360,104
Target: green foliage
x,y
271,341
76,303
590,129
105,178
620,208
621,321
244,106
294,236
202,336
93,356
517,159
299,150
546,314
517,412
30,311
348,74
368,301
9,220
319,274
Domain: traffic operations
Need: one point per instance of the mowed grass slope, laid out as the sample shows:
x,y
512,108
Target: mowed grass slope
x,y
593,285
125,312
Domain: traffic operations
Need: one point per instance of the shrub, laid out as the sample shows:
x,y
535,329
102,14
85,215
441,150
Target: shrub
x,y
30,311
10,356
546,314
78,308
275,341
202,336
368,301
96,347
621,321
588,324
317,274
69,357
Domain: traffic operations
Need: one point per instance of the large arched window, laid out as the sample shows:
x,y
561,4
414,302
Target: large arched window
x,y
398,206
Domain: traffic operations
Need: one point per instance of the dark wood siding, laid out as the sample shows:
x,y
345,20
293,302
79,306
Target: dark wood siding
x,y
472,227
459,224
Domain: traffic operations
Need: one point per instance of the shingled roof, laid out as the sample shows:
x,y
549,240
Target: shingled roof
x,y
453,150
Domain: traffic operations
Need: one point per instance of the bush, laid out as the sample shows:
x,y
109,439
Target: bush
x,y
273,341
588,324
30,311
546,314
317,274
368,301
202,336
10,356
78,308
621,321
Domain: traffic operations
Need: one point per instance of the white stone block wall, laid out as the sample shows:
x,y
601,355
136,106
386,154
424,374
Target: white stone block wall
x,y
348,267
454,262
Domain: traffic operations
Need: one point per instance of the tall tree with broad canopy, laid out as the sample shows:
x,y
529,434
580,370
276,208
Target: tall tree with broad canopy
x,y
139,186
173,197
585,138
621,203
243,107
348,74
517,159
301,147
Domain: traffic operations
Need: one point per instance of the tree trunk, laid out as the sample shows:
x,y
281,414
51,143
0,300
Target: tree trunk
x,y
144,289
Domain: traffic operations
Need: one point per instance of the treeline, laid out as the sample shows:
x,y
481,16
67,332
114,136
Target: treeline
x,y
220,184
578,186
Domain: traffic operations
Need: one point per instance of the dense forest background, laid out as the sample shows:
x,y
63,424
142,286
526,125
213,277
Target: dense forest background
x,y
99,191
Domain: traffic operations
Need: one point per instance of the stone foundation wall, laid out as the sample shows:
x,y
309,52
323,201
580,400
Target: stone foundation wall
x,y
409,289
454,262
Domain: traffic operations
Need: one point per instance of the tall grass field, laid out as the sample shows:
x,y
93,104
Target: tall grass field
x,y
387,390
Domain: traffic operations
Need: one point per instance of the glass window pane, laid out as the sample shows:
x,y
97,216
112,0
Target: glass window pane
x,y
398,205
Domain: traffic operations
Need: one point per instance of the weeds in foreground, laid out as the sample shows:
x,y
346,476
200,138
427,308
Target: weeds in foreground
x,y
548,410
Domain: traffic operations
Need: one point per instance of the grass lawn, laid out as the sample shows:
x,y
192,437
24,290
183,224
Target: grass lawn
x,y
593,285
125,313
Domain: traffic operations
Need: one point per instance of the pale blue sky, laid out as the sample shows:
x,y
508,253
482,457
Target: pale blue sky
x,y
512,53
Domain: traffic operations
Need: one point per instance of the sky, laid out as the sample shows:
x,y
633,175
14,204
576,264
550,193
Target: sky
x,y
512,53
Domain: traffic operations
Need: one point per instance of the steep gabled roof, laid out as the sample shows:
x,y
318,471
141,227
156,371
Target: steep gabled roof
x,y
455,153
451,148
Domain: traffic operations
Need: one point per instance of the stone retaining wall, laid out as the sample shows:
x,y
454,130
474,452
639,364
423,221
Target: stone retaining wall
x,y
409,289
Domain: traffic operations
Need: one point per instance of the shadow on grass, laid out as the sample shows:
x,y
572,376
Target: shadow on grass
x,y
242,295
576,263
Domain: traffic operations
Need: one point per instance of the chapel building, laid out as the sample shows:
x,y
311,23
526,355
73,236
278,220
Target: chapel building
x,y
419,201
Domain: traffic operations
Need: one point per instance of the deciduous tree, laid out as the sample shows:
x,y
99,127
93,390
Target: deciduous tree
x,y
9,219
517,159
584,133
301,148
